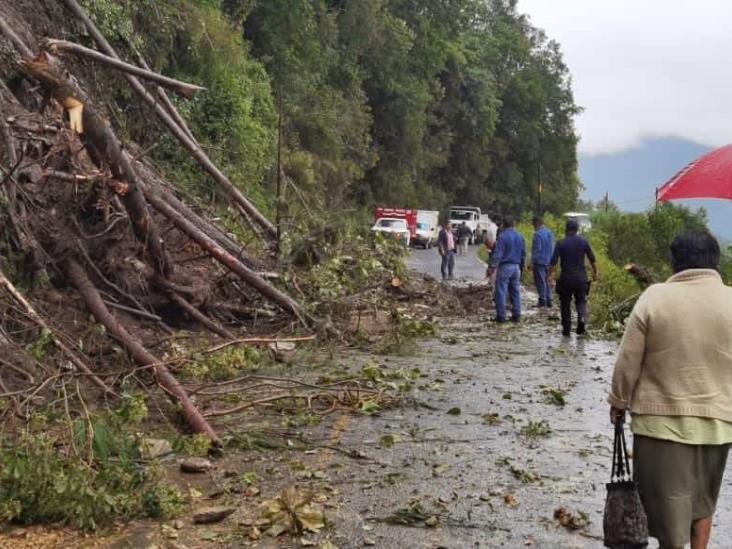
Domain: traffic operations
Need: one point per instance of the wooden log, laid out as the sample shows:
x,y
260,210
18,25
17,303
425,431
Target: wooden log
x,y
183,88
167,103
214,232
200,317
196,151
137,351
249,276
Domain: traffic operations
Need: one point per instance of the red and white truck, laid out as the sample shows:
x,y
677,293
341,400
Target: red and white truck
x,y
400,222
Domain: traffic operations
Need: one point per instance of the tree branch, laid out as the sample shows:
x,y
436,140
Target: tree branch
x,y
183,88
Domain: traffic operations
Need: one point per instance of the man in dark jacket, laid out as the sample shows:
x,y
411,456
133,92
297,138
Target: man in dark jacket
x,y
570,252
507,261
446,249
464,234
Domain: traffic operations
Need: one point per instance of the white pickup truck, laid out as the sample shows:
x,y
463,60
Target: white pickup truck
x,y
470,215
487,230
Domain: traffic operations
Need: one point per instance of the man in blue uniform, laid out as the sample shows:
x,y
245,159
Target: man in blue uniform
x,y
507,260
570,252
541,255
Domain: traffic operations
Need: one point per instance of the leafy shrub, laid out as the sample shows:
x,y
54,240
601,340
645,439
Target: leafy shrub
x,y
224,364
87,480
342,261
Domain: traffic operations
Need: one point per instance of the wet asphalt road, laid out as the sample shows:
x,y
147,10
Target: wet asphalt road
x,y
495,484
482,445
468,268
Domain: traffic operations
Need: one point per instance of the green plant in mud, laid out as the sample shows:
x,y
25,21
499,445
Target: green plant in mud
x,y
38,348
404,331
223,364
85,474
192,445
554,395
536,429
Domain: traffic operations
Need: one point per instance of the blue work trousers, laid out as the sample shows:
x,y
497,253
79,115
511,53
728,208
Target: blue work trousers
x,y
541,281
448,264
508,282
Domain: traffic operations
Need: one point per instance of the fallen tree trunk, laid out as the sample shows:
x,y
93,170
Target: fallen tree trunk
x,y
167,103
38,320
249,276
200,317
167,381
104,149
201,157
183,88
214,232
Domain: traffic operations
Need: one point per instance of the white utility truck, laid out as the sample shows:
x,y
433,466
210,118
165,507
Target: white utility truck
x,y
426,233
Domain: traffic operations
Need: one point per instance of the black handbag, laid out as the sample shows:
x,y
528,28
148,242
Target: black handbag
x,y
625,525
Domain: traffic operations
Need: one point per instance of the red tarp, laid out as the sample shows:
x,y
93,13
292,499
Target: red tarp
x,y
709,176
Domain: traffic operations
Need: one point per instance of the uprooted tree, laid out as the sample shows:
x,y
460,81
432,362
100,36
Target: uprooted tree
x,y
88,225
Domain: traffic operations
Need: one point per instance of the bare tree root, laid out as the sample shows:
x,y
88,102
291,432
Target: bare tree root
x,y
321,400
249,276
105,150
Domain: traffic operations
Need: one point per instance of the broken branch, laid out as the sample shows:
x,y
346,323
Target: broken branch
x,y
204,161
183,88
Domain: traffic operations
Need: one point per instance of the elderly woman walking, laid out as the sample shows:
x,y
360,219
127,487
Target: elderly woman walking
x,y
674,374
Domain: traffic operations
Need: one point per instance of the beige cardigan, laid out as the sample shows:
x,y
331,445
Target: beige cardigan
x,y
676,355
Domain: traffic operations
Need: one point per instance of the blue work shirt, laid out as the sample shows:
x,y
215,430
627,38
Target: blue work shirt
x,y
510,249
542,246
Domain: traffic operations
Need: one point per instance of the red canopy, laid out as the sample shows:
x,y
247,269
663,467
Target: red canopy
x,y
709,176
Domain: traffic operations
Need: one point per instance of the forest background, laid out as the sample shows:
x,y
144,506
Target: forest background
x,y
401,102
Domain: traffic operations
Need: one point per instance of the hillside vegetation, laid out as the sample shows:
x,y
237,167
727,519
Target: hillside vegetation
x,y
382,101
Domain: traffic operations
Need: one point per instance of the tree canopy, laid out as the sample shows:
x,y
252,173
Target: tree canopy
x,y
420,103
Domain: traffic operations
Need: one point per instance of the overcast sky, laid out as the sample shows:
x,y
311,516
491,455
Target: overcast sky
x,y
644,68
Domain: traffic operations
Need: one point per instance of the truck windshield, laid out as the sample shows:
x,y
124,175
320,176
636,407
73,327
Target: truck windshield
x,y
461,215
392,223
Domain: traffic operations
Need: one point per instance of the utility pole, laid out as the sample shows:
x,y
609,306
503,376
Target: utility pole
x,y
540,186
607,201
278,202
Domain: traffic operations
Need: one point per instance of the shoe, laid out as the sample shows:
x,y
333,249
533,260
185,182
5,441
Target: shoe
x,y
566,333
580,328
541,304
515,319
498,320
548,304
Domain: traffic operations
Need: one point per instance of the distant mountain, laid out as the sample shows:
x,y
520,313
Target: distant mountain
x,y
630,177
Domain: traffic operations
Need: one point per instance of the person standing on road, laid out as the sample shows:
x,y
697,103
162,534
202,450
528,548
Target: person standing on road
x,y
507,261
570,252
541,255
674,374
463,238
446,249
